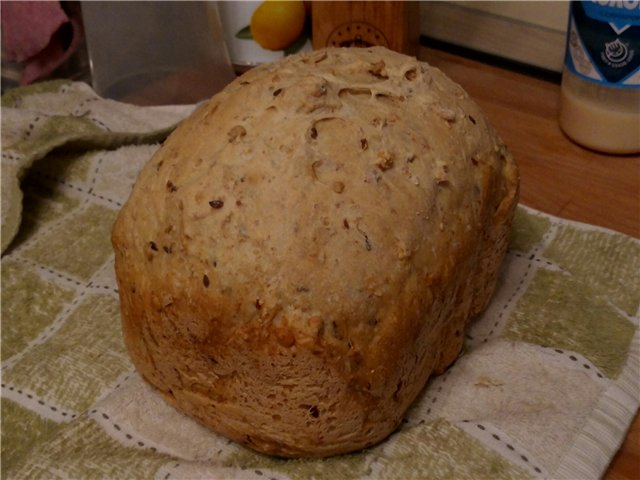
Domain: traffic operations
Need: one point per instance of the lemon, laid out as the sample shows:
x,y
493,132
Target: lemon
x,y
275,25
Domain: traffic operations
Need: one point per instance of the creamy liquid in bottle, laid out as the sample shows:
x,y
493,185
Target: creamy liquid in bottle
x,y
600,94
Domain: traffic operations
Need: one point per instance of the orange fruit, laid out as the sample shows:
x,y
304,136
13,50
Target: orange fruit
x,y
276,24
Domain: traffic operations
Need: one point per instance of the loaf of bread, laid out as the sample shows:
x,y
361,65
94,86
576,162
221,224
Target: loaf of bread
x,y
308,247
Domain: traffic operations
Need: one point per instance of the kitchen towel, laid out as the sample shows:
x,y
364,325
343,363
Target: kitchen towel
x,y
546,387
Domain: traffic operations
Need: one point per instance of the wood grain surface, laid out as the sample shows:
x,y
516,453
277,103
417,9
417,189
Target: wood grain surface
x,y
391,24
557,176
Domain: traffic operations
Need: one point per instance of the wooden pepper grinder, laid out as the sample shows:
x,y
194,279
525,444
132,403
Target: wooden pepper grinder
x,y
394,25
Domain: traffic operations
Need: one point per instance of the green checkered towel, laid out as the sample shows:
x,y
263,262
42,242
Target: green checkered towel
x,y
546,388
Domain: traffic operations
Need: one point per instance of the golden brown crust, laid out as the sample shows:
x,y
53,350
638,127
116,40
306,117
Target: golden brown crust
x,y
307,249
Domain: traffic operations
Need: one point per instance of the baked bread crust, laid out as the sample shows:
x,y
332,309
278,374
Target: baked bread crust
x,y
308,247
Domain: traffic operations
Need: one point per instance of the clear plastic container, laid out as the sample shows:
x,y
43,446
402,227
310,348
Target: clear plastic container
x,y
156,53
602,118
600,93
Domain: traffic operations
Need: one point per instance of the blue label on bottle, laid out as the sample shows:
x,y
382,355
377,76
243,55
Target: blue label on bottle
x,y
620,12
603,42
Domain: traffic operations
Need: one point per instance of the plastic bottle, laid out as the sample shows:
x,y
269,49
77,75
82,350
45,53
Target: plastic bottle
x,y
600,93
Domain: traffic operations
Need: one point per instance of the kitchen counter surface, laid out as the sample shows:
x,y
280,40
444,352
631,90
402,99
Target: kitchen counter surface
x,y
557,176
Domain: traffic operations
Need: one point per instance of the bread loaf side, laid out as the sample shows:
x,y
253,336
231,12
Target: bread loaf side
x,y
308,247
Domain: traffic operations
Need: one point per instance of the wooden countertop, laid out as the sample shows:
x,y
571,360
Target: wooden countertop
x,y
557,176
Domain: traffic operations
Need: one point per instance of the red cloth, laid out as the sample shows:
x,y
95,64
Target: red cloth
x,y
32,34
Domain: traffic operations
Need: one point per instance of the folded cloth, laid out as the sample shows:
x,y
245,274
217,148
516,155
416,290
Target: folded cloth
x,y
546,388
38,35
71,115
